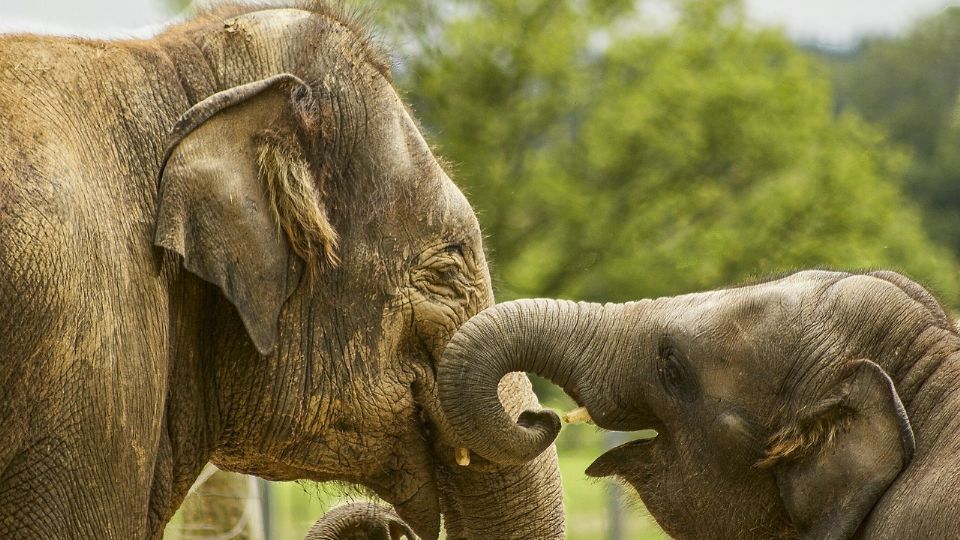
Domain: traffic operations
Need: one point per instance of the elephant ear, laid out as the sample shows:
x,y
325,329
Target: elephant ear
x,y
236,193
835,462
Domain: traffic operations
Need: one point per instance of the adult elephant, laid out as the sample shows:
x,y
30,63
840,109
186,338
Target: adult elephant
x,y
266,288
820,405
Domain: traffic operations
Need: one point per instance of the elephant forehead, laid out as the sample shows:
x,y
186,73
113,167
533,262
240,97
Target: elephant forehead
x,y
737,310
457,209
756,303
327,30
736,336
408,153
394,134
398,148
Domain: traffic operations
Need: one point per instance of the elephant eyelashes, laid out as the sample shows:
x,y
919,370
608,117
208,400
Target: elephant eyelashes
x,y
446,264
456,247
449,273
440,271
671,373
674,374
446,271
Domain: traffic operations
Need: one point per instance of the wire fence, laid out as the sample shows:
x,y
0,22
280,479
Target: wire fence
x,y
228,506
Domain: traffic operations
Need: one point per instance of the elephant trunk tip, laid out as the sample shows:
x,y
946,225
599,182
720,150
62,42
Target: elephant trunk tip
x,y
536,336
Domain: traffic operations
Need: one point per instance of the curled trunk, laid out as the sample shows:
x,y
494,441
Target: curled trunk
x,y
360,521
505,501
569,343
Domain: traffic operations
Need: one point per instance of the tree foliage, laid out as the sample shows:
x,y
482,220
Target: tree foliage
x,y
909,86
612,155
176,6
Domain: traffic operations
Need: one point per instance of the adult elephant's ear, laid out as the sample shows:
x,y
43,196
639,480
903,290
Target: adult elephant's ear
x,y
240,200
837,459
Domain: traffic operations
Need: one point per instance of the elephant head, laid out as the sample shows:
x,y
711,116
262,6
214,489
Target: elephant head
x,y
782,409
311,201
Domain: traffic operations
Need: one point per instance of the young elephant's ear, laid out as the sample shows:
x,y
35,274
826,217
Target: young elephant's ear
x,y
838,459
236,193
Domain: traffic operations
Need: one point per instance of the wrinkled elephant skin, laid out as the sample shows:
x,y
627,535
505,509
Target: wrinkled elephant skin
x,y
819,405
230,243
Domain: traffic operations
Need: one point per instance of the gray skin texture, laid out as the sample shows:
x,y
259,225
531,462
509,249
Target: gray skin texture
x,y
265,284
360,521
819,405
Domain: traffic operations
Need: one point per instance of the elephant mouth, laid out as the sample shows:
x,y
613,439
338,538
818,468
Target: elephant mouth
x,y
625,458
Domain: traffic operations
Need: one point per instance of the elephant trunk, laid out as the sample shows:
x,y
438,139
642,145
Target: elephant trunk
x,y
505,501
358,521
566,342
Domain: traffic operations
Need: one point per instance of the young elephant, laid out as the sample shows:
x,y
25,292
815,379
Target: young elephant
x,y
820,405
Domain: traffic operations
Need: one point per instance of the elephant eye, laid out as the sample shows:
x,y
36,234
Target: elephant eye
x,y
674,374
456,247
447,265
447,271
441,270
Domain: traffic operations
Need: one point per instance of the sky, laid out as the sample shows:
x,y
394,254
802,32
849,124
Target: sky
x,y
829,22
83,17
840,22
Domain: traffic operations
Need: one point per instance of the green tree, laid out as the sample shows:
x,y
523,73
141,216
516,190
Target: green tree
x,y
176,6
909,85
610,158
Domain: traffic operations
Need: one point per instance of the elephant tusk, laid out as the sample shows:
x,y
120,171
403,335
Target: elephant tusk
x,y
579,415
463,456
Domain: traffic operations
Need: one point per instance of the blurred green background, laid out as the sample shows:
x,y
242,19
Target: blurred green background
x,y
612,153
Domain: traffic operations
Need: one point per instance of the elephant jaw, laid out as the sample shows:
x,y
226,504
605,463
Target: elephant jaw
x,y
622,459
614,461
418,504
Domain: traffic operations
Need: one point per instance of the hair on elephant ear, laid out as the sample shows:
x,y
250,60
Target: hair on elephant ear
x,y
296,196
837,457
241,201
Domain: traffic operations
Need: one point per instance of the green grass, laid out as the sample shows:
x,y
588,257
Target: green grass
x,y
586,500
296,506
